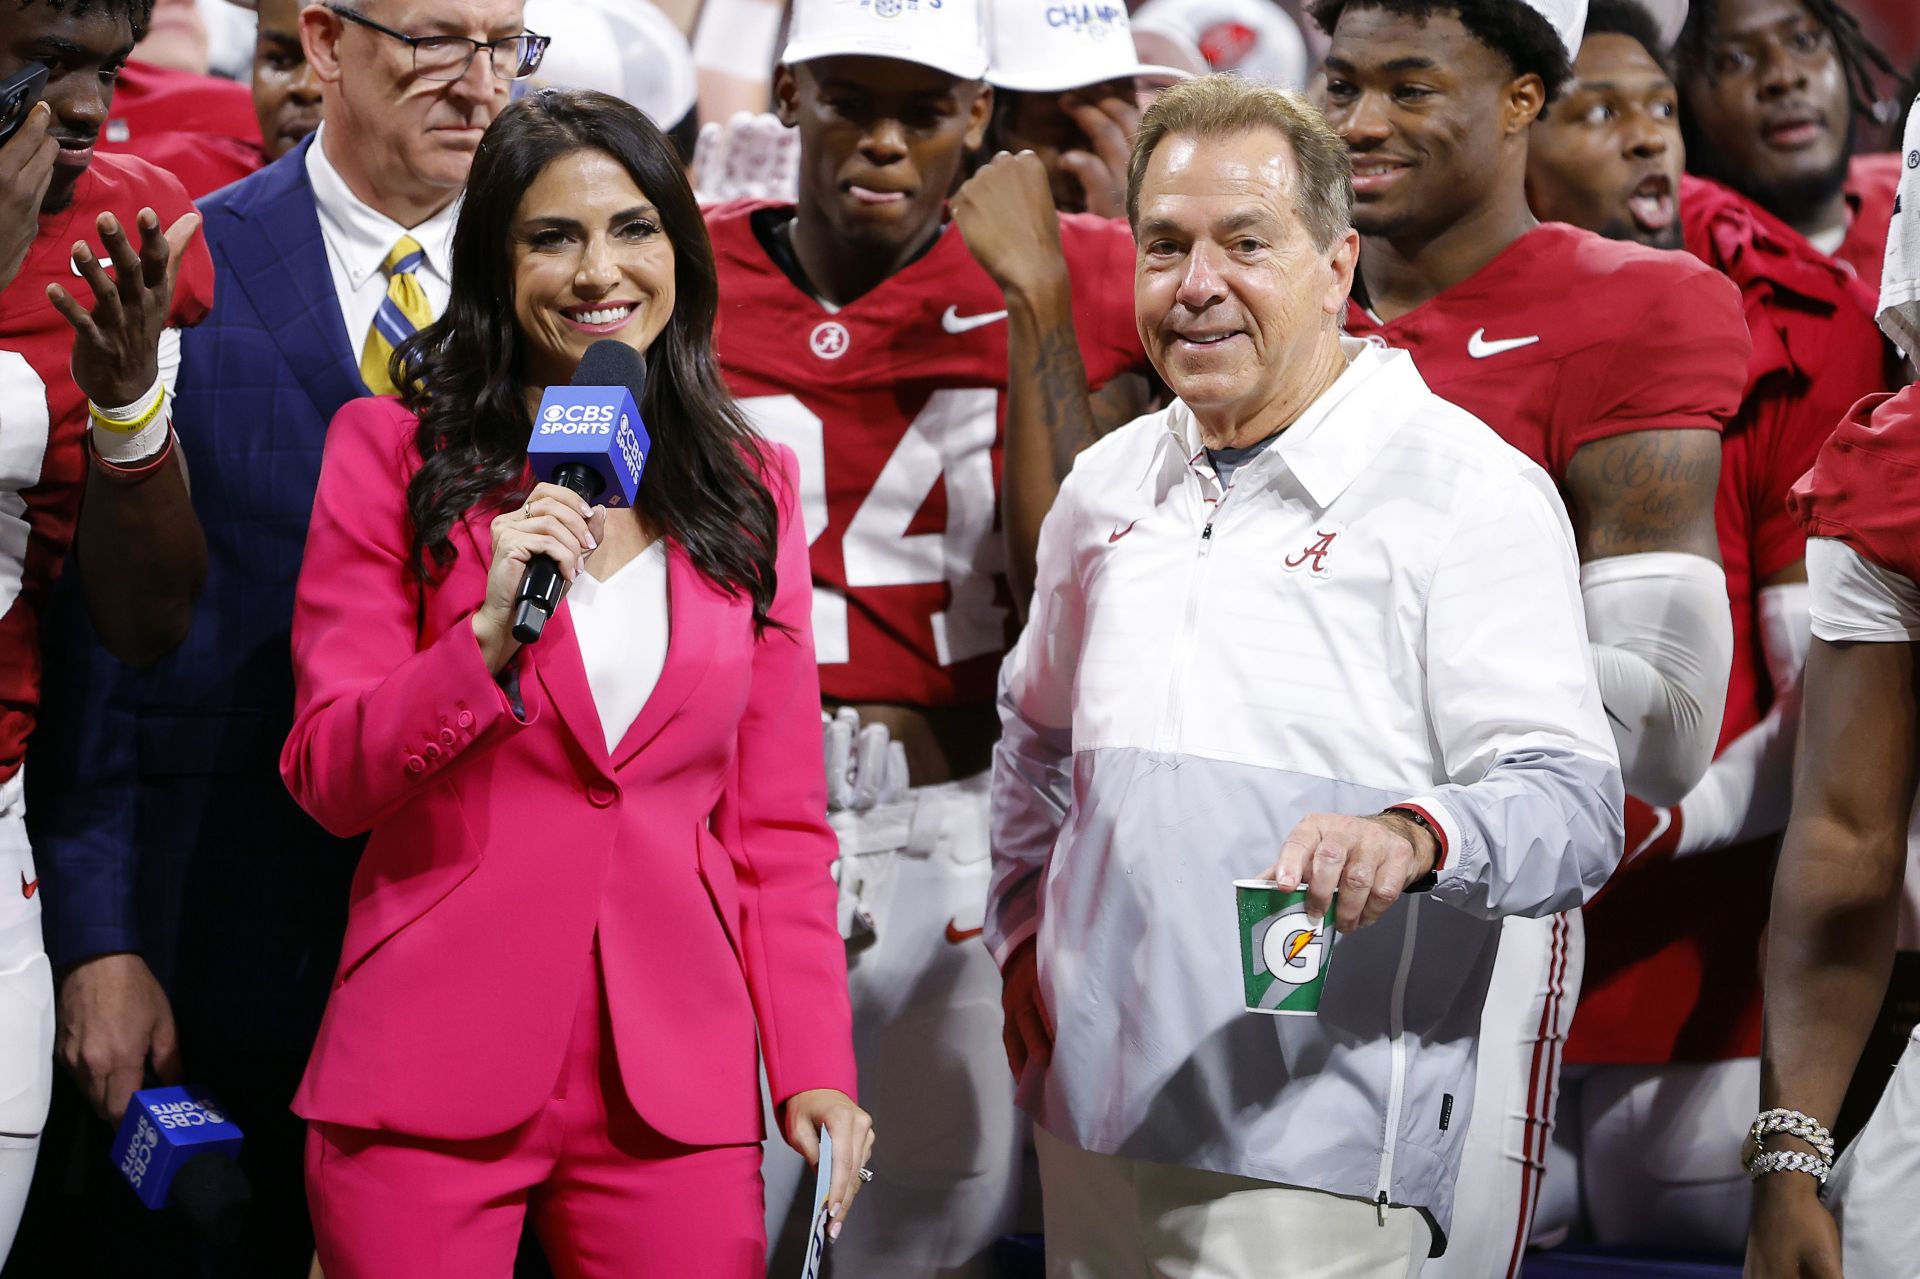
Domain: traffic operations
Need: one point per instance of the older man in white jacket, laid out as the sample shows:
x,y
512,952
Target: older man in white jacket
x,y
1310,620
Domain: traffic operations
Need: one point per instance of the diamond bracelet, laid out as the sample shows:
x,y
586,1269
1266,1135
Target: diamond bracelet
x,y
1789,1161
1790,1123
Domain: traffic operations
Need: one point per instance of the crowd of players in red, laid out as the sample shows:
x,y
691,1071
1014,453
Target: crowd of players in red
x,y
1518,223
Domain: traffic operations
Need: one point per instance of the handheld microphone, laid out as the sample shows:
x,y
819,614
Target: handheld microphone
x,y
176,1148
588,438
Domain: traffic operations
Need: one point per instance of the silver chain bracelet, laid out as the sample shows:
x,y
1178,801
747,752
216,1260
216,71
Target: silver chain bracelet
x,y
1789,1161
1790,1123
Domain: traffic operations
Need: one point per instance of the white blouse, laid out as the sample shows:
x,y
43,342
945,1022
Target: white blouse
x,y
622,627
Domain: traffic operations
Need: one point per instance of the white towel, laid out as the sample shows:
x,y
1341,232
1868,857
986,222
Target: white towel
x,y
1900,276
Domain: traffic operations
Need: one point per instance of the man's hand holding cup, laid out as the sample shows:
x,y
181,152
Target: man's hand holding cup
x,y
1369,861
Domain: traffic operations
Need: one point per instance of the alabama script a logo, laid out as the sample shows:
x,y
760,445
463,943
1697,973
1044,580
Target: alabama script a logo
x,y
1312,557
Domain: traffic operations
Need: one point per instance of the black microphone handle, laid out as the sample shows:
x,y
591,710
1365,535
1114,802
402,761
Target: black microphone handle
x,y
541,586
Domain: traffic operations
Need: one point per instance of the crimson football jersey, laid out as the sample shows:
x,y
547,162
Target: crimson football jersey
x,y
1864,489
1566,337
1666,981
1872,182
43,415
893,405
149,100
200,128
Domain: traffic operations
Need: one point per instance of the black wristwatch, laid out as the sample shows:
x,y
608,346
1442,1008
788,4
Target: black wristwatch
x,y
1426,882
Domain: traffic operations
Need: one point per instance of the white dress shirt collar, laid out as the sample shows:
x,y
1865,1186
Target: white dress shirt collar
x,y
1370,395
361,235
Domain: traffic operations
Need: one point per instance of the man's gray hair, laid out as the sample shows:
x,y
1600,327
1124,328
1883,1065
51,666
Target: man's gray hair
x,y
1220,105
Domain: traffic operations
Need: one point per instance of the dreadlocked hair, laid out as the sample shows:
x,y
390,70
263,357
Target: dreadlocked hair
x,y
1860,60
1510,28
139,12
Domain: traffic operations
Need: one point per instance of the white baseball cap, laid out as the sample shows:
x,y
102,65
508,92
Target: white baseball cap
x,y
627,48
1050,48
1568,18
1252,38
1669,16
946,35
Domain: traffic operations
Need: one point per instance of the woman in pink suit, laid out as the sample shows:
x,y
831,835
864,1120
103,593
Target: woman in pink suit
x,y
596,891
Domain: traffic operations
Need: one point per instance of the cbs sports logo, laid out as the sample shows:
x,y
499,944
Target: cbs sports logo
x,y
578,419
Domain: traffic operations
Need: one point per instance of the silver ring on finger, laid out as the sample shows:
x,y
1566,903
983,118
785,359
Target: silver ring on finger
x,y
865,1175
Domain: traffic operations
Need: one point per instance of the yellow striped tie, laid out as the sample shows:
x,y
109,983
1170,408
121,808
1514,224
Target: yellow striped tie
x,y
403,310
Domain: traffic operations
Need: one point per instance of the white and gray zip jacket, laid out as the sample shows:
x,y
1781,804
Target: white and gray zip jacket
x,y
1384,607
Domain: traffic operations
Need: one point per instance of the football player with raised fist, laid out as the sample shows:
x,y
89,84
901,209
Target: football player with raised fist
x,y
857,328
89,345
1611,365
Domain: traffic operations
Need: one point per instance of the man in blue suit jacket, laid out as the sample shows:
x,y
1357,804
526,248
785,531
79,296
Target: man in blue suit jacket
x,y
193,911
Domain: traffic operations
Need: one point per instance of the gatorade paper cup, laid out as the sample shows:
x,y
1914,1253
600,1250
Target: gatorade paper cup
x,y
1283,958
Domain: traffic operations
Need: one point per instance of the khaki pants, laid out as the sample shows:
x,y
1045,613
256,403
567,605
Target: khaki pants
x,y
1108,1216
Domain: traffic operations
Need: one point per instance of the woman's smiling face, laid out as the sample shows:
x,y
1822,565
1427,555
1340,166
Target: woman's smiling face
x,y
590,260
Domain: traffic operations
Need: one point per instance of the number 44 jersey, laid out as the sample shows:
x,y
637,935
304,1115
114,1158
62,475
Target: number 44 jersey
x,y
894,406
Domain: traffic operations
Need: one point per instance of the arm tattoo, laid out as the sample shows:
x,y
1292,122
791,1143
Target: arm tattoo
x,y
1059,382
1645,491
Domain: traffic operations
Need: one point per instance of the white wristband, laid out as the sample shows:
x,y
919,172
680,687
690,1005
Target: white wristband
x,y
132,412
122,449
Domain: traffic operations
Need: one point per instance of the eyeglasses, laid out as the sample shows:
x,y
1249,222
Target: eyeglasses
x,y
448,57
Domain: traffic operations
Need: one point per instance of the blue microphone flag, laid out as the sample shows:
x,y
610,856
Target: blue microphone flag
x,y
162,1130
597,427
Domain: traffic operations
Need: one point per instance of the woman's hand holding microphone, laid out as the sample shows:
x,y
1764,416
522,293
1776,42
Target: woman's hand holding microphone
x,y
554,522
851,1129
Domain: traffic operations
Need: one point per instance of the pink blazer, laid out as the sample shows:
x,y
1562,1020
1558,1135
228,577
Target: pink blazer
x,y
699,851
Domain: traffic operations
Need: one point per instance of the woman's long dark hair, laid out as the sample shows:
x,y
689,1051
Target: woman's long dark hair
x,y
464,375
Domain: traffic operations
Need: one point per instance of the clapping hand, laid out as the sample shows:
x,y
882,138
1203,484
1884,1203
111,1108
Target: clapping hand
x,y
865,766
749,157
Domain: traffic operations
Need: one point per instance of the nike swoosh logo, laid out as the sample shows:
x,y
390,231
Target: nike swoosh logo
x,y
954,322
1662,818
960,936
1119,533
28,889
1479,348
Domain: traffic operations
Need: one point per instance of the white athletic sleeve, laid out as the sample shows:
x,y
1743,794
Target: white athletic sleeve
x,y
1748,790
1662,648
1855,599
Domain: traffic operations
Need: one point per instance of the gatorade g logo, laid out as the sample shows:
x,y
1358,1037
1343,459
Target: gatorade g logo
x,y
1283,958
1292,949
577,419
